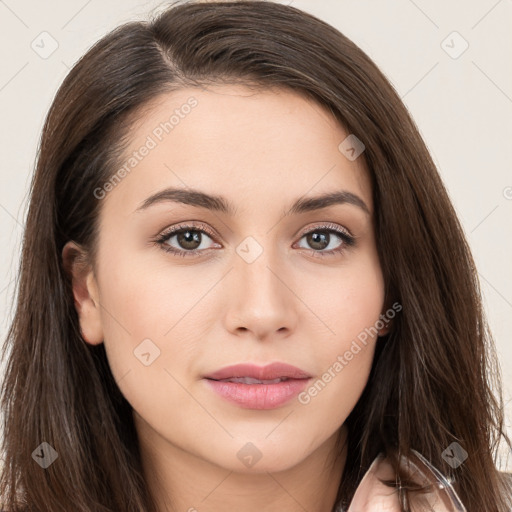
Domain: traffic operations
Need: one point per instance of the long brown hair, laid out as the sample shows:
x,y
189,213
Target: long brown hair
x,y
435,377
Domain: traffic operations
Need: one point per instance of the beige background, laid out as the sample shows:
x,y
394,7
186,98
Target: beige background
x,y
461,101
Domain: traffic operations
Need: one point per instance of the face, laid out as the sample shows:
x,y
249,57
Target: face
x,y
249,279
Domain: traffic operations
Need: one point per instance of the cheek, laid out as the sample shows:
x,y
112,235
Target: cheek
x,y
153,322
133,309
345,363
346,300
147,300
142,357
350,306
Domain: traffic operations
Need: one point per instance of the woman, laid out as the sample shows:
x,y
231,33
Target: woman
x,y
243,286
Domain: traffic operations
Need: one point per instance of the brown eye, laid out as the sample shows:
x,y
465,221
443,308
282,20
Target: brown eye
x,y
185,240
318,239
323,237
189,239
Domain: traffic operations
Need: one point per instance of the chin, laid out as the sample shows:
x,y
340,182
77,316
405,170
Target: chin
x,y
260,457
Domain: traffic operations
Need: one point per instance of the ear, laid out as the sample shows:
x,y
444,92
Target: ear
x,y
85,292
388,322
386,329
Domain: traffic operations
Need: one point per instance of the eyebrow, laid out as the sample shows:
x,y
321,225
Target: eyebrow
x,y
220,204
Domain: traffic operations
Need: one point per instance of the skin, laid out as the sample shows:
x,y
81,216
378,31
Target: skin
x,y
261,151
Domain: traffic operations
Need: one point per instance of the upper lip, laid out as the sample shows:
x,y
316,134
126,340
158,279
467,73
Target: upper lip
x,y
268,372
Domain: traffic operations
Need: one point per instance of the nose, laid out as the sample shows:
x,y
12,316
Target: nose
x,y
262,303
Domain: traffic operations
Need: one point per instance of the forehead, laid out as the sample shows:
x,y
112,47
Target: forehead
x,y
269,145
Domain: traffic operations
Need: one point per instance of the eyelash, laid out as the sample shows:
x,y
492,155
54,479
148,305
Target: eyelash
x,y
348,239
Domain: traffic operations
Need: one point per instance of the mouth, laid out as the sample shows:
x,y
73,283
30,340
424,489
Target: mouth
x,y
250,380
269,372
253,387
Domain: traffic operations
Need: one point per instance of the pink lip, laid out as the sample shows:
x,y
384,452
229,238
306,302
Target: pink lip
x,y
268,372
259,396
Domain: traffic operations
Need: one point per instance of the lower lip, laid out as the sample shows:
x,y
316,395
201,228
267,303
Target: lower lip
x,y
259,396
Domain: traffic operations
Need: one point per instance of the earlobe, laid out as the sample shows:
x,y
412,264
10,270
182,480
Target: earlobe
x,y
385,330
385,323
85,292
